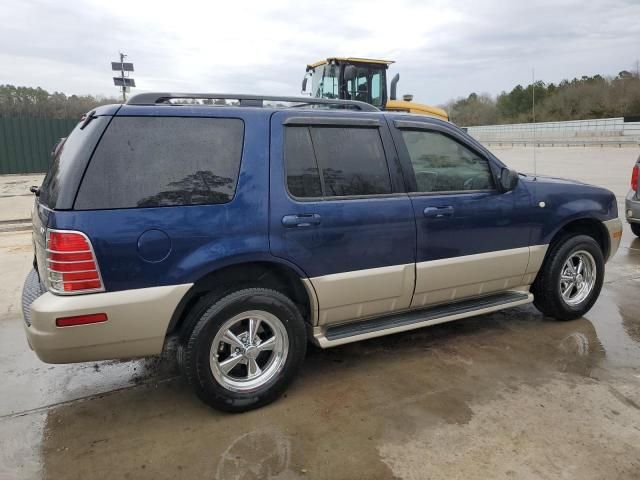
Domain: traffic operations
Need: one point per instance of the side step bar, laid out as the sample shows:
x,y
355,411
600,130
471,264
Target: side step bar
x,y
332,336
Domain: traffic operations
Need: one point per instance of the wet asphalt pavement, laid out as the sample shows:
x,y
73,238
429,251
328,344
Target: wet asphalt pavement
x,y
506,395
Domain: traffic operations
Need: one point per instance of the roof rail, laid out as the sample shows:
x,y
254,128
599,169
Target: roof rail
x,y
154,98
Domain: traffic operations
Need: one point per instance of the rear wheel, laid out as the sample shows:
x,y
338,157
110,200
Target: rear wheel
x,y
635,228
244,349
571,278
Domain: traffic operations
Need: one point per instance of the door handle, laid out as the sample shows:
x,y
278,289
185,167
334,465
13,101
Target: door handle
x,y
438,212
301,220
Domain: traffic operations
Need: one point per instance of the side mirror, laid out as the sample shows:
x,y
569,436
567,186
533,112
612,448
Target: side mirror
x,y
508,179
350,72
304,84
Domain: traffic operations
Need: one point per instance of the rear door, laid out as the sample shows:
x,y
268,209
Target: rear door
x,y
339,212
472,238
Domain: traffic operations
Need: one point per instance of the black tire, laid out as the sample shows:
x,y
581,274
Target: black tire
x,y
211,313
635,228
546,288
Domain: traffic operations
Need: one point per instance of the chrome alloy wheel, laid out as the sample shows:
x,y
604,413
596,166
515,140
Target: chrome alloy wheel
x,y
249,350
578,277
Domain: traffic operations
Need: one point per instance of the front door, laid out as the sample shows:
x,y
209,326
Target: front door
x,y
339,212
472,238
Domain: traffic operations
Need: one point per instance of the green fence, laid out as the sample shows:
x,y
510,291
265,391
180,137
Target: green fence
x,y
26,142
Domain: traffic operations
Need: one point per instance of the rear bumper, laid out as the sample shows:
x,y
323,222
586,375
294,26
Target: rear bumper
x,y
614,227
632,207
136,326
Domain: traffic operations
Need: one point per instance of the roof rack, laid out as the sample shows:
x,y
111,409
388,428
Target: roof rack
x,y
154,98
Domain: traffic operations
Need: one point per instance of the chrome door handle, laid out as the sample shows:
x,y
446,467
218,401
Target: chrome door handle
x,y
301,220
438,212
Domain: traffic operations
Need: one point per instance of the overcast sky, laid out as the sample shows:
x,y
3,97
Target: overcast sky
x,y
443,49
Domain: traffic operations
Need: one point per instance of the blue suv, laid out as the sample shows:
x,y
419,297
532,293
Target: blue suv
x,y
247,226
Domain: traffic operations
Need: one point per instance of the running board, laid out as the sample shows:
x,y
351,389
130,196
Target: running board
x,y
376,327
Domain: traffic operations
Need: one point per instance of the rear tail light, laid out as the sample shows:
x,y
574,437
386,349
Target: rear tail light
x,y
634,178
71,263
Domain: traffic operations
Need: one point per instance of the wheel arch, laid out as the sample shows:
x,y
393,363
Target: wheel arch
x,y
274,274
589,226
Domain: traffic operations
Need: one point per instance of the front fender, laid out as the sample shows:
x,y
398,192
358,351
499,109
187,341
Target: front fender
x,y
560,203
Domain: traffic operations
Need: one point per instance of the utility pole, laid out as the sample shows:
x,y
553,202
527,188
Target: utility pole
x,y
124,89
533,110
123,81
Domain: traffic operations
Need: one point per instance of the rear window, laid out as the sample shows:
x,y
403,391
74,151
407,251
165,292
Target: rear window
x,y
163,161
335,162
69,160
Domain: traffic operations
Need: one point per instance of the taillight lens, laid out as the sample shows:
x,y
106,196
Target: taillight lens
x,y
71,263
634,178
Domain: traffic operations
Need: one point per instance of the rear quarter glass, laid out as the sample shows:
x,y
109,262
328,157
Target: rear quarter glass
x,y
69,162
163,161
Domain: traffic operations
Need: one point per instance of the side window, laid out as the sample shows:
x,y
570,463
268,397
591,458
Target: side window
x,y
163,161
303,178
376,89
352,161
441,164
330,82
335,162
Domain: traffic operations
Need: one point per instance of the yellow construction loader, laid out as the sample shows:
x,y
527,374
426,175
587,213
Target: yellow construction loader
x,y
362,79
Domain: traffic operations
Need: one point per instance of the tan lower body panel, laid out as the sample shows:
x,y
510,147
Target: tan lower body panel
x,y
536,257
451,279
363,293
136,326
359,294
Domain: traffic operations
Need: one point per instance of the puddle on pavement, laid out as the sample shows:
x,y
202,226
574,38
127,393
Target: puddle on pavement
x,y
348,402
616,319
34,384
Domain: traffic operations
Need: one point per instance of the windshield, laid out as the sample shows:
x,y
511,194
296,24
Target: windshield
x,y
367,86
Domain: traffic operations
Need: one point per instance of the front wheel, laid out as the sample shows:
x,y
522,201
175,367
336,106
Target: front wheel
x,y
244,349
635,228
571,278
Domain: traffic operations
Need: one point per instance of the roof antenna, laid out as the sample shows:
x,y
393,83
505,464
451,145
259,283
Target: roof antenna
x,y
533,108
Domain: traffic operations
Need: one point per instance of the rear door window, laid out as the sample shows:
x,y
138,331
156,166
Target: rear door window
x,y
335,162
303,176
163,161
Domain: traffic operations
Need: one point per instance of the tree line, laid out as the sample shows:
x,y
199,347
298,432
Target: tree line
x,y
578,99
37,102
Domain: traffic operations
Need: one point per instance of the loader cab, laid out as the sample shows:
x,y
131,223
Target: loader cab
x,y
364,80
